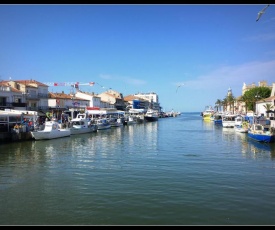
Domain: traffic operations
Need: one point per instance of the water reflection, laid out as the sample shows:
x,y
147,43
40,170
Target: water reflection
x,y
207,124
257,149
139,134
229,134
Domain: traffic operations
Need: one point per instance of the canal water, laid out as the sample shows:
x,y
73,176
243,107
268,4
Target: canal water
x,y
176,171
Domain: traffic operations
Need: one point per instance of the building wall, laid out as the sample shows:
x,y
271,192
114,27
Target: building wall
x,y
94,101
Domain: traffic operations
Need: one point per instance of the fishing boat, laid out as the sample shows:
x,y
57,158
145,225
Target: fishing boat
x,y
241,125
151,115
207,113
116,122
228,120
262,131
131,120
218,119
51,130
81,124
102,123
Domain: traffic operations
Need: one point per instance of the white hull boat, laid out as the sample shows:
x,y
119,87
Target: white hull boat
x,y
52,130
151,115
102,124
81,124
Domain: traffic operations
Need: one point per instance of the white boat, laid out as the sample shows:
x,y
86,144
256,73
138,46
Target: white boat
x,y
81,124
151,115
116,122
138,115
130,120
51,130
241,125
102,123
228,120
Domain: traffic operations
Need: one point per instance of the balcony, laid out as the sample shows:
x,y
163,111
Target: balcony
x,y
32,97
43,95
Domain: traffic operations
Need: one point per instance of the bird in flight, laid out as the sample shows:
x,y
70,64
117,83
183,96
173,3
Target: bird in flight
x,y
178,87
261,12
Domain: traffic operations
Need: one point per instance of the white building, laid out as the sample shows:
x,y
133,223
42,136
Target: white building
x,y
94,100
260,109
152,98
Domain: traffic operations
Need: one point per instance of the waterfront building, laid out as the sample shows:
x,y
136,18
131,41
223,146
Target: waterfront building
x,y
134,102
24,94
153,99
94,100
240,105
11,98
114,98
61,102
261,104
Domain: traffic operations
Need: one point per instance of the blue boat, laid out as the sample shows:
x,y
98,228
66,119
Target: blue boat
x,y
262,133
217,119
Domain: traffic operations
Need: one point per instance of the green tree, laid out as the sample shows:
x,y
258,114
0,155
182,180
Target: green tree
x,y
255,94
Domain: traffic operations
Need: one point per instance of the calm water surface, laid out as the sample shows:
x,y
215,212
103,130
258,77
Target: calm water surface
x,y
176,171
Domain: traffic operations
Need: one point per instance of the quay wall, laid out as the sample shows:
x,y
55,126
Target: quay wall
x,y
14,136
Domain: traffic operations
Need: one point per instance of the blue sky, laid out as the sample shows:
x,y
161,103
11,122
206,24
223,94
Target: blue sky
x,y
141,48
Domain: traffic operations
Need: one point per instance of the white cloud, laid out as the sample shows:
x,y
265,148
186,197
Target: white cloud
x,y
235,76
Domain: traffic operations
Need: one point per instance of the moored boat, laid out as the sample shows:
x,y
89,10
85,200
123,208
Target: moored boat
x,y
151,115
81,124
217,119
102,123
228,121
51,130
207,113
262,132
241,125
116,122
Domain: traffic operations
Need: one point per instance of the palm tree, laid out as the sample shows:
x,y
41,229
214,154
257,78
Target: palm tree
x,y
230,100
268,107
247,101
225,103
218,104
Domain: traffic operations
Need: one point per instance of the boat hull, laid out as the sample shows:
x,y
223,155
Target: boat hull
x,y
150,119
261,137
75,131
103,126
45,135
206,117
218,122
